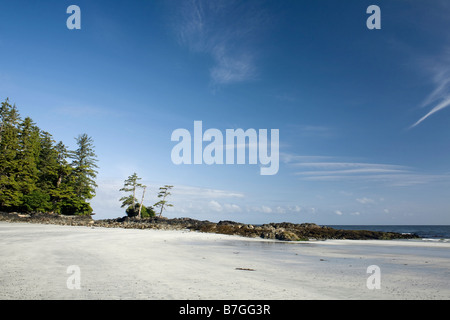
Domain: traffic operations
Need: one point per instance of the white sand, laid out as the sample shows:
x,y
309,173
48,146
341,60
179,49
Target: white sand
x,y
152,264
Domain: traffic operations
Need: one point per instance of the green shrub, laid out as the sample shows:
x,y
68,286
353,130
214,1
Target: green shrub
x,y
146,212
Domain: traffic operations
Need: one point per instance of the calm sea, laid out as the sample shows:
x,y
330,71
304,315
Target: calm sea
x,y
424,232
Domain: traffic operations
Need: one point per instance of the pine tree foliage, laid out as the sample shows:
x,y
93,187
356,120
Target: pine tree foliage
x,y
164,192
35,173
130,201
9,147
84,163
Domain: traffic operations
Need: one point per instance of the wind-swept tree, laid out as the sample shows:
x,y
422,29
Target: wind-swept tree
x,y
142,201
164,192
130,185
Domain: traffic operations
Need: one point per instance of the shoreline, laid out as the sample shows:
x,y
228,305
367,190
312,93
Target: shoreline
x,y
119,263
284,231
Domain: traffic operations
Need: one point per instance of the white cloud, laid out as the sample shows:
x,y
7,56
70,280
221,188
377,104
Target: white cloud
x,y
350,171
443,104
338,212
364,167
215,206
192,192
106,202
232,207
266,209
440,97
280,209
274,209
403,180
204,27
187,200
295,209
230,69
365,200
388,174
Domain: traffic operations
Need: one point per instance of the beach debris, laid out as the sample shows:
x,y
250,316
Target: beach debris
x,y
245,269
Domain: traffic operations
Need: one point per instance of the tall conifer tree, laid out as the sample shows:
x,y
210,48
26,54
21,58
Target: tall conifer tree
x,y
28,156
35,174
84,164
9,145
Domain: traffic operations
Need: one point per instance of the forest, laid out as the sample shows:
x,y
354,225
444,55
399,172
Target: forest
x,y
39,175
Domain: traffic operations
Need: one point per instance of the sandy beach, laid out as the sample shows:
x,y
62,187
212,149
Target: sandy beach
x,y
38,262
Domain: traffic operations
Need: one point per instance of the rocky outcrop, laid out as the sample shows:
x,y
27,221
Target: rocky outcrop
x,y
47,218
280,231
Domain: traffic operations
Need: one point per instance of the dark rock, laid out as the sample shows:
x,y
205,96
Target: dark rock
x,y
284,231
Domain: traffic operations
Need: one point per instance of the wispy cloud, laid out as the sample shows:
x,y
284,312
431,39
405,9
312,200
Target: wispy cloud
x,y
215,206
223,30
444,104
399,180
365,200
231,69
439,99
204,193
353,167
333,171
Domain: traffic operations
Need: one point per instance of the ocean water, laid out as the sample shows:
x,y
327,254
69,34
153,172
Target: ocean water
x,y
426,232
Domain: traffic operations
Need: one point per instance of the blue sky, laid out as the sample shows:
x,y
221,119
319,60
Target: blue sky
x,y
362,114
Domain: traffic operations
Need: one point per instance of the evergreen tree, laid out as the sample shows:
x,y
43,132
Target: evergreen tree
x,y
36,201
82,177
48,167
10,194
163,193
63,190
84,164
28,156
35,174
47,163
130,201
64,168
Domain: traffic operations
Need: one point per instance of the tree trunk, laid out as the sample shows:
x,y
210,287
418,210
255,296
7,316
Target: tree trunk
x,y
162,205
134,193
142,201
